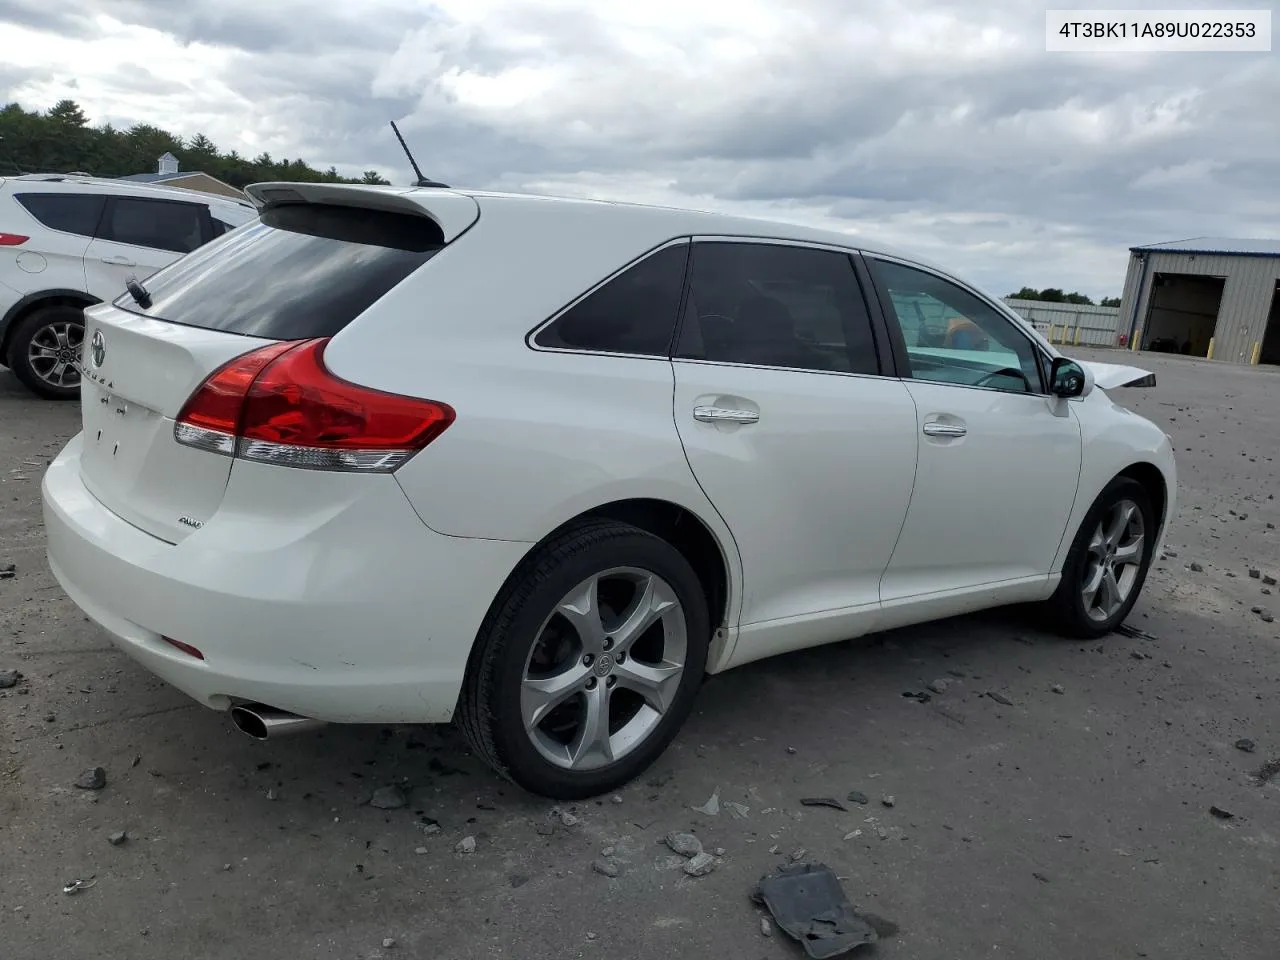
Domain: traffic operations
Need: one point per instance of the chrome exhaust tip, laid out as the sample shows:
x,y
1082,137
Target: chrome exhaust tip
x,y
261,722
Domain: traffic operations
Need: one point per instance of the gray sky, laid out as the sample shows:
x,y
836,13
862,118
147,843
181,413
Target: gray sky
x,y
922,123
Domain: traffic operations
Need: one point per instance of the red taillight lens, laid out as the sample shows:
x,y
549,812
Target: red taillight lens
x,y
12,239
280,405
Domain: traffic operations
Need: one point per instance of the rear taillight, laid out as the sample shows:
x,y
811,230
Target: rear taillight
x,y
279,404
12,239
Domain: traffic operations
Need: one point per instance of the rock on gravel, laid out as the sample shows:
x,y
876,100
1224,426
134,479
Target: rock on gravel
x,y
685,844
700,865
604,868
766,928
388,943
1196,568
466,845
9,678
1246,745
388,798
118,838
1058,688
95,778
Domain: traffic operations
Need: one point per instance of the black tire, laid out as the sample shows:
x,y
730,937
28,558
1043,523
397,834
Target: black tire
x,y
489,712
19,350
1065,611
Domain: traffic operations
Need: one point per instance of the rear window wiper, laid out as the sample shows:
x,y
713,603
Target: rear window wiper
x,y
138,292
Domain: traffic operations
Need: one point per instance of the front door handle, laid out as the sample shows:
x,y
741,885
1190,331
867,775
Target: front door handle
x,y
119,261
724,415
935,429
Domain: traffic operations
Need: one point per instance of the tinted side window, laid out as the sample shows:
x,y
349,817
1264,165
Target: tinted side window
x,y
69,212
777,306
159,224
634,313
304,270
952,336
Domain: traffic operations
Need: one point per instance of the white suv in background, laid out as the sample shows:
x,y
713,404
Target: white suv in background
x,y
67,242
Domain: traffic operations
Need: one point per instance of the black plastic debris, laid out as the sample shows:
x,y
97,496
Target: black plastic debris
x,y
809,905
831,802
1222,814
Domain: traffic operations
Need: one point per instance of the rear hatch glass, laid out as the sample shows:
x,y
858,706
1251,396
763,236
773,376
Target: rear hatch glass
x,y
299,271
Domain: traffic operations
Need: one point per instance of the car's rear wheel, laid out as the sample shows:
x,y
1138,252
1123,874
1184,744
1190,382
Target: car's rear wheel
x,y
1107,564
588,662
45,351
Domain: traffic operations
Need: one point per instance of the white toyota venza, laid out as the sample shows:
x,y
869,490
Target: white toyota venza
x,y
538,466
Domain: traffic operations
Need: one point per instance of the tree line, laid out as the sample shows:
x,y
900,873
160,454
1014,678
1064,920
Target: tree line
x,y
1054,295
60,140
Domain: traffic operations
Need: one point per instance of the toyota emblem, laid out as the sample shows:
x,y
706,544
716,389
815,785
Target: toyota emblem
x,y
97,348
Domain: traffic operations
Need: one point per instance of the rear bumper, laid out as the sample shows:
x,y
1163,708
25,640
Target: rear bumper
x,y
315,593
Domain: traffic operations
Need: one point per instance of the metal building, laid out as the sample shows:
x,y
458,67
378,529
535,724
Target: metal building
x,y
1206,297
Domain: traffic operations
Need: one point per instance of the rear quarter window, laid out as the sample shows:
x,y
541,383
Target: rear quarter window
x,y
300,271
76,213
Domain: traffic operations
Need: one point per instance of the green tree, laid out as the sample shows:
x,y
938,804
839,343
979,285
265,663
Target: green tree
x,y
372,176
1109,302
61,140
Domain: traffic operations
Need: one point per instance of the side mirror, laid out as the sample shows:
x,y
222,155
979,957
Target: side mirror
x,y
1067,379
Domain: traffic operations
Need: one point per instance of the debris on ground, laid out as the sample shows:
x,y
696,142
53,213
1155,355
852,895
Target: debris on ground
x,y
809,905
388,798
939,686
118,838
388,943
617,798
685,844
95,778
791,750
1058,688
566,818
857,796
888,800
1000,698
466,845
1196,568
9,678
917,696
1222,814
421,851
831,802
766,928
1245,744
1255,573
607,852
799,854
712,807
604,868
1269,581
8,571
701,865
75,886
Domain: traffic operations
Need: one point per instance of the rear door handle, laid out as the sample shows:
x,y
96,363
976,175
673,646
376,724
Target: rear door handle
x,y
935,429
119,261
724,415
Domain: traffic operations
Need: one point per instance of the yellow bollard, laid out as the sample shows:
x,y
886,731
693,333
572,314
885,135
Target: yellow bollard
x,y
1209,355
1051,340
1076,341
1257,350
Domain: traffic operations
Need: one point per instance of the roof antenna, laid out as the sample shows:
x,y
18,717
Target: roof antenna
x,y
422,181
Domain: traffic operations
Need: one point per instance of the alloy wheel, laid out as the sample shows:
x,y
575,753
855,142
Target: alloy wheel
x,y
605,667
54,353
1113,561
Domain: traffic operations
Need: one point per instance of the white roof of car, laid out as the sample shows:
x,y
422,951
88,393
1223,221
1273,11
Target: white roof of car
x,y
58,181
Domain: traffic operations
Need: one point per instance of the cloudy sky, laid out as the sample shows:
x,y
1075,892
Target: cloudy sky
x,y
922,123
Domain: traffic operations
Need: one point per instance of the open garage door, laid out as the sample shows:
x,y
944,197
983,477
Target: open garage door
x,y
1182,314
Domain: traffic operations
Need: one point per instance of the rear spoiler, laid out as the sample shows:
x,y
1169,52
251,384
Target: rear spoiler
x,y
453,212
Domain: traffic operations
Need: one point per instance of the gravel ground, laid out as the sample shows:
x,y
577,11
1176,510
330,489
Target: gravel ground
x,y
1068,816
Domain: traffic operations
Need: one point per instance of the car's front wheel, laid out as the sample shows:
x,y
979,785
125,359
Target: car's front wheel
x,y
1107,564
45,351
588,662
